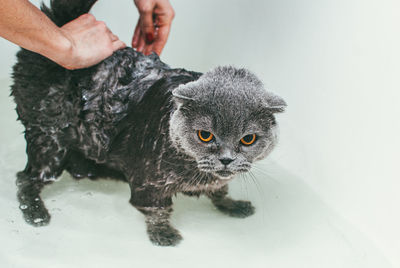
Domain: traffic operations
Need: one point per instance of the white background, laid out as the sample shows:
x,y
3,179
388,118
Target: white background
x,y
336,63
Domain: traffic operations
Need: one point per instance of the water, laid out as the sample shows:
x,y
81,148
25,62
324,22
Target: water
x,y
94,225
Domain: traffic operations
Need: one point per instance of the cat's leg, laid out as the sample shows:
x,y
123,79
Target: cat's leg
x,y
157,210
234,208
80,167
45,159
30,203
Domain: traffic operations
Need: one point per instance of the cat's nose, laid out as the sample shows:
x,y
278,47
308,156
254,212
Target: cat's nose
x,y
226,161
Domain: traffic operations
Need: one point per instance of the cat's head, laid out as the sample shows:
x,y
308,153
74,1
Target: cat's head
x,y
225,121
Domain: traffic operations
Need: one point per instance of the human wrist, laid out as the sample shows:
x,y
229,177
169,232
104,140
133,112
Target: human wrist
x,y
60,49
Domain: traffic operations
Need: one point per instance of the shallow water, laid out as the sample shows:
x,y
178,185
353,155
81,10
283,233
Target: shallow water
x,y
93,223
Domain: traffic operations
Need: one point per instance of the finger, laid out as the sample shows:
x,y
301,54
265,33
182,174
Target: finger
x,y
82,21
108,31
148,49
102,27
141,44
147,26
136,35
114,37
86,19
118,45
162,36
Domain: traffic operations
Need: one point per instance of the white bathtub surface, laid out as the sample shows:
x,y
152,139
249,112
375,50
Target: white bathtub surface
x,y
93,225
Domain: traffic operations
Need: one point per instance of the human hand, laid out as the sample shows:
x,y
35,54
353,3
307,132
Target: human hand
x,y
152,29
90,41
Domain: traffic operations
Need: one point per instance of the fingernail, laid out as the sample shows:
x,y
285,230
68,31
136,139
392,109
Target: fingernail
x,y
149,38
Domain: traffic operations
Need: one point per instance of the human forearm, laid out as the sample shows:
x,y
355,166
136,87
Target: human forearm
x,y
25,25
80,43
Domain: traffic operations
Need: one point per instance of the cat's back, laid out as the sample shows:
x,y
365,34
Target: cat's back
x,y
124,90
122,81
108,88
89,104
48,94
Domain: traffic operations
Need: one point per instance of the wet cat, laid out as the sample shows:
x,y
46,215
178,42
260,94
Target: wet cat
x,y
162,130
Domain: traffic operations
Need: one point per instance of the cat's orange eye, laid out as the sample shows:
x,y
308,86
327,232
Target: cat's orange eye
x,y
205,136
248,139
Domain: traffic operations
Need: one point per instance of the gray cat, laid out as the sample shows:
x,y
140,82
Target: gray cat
x,y
133,118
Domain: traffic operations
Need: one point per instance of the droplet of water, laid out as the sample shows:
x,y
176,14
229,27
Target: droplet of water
x,y
37,199
23,206
37,220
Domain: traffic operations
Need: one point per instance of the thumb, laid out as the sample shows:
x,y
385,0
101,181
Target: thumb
x,y
147,26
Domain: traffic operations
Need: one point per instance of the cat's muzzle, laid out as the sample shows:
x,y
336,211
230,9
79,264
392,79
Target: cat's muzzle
x,y
224,173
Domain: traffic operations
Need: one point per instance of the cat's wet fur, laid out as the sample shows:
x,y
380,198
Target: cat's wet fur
x,y
135,119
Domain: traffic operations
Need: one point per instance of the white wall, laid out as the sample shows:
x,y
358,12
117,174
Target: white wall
x,y
337,65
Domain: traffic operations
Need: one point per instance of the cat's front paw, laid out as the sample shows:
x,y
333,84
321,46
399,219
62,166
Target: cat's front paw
x,y
235,208
31,205
163,234
35,213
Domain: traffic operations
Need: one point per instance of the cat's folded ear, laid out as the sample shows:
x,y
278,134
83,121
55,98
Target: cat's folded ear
x,y
184,93
275,104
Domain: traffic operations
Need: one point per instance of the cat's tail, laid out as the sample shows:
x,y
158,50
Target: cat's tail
x,y
63,11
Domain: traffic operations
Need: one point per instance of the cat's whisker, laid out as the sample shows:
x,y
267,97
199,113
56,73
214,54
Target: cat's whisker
x,y
257,184
192,181
246,178
177,164
201,177
259,191
243,182
265,174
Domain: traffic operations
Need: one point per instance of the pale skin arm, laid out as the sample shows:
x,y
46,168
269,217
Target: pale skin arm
x,y
78,44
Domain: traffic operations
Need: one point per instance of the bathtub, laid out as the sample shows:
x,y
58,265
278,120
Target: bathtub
x,y
327,197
